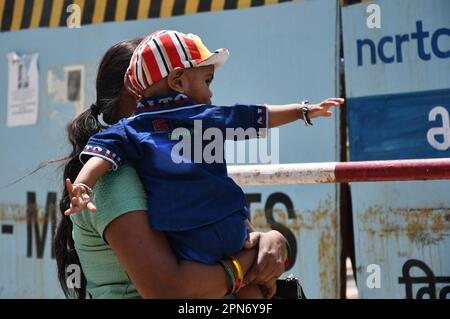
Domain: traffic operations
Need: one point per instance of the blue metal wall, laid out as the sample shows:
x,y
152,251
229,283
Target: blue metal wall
x,y
396,126
396,76
279,54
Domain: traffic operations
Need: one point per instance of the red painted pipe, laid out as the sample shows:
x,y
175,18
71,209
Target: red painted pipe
x,y
395,170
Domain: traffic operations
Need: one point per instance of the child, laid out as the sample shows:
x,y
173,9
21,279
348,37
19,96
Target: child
x,y
201,210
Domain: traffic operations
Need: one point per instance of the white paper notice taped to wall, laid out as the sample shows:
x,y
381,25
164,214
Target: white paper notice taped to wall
x,y
23,89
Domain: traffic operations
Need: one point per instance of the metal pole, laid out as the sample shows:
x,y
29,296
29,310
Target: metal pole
x,y
341,172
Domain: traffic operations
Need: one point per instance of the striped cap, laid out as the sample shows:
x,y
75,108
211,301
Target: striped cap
x,y
163,51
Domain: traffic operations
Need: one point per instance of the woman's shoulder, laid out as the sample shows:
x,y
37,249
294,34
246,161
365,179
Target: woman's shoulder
x,y
125,175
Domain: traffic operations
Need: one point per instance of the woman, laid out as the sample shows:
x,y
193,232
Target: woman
x,y
121,256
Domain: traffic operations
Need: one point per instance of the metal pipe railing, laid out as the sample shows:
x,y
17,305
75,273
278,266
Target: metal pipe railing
x,y
341,172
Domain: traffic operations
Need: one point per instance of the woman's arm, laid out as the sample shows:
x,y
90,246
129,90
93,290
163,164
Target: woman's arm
x,y
153,268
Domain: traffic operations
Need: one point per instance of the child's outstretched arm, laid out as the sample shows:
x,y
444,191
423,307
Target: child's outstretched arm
x,y
283,114
80,192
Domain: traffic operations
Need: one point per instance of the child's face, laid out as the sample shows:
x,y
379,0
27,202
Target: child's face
x,y
196,83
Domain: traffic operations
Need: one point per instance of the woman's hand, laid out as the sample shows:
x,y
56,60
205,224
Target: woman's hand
x,y
269,289
269,264
322,109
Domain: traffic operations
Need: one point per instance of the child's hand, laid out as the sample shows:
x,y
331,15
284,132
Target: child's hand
x,y
322,109
80,198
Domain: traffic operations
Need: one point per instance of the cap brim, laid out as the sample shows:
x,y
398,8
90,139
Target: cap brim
x,y
218,58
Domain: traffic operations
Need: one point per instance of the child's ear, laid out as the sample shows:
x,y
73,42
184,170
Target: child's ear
x,y
175,80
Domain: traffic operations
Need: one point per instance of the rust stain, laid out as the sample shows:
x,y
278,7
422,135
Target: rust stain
x,y
13,212
414,229
327,263
259,219
320,222
427,226
324,216
328,180
439,222
18,213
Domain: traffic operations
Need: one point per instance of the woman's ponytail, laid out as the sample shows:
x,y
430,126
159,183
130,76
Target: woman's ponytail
x,y
109,87
79,131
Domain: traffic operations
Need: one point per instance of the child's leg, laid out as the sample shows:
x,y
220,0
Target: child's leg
x,y
251,291
210,243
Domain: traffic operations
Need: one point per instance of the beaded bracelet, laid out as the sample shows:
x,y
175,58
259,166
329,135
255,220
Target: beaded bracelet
x,y
231,277
304,108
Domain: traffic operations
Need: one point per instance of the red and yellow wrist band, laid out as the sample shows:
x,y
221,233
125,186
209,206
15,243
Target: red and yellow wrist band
x,y
287,255
236,277
239,273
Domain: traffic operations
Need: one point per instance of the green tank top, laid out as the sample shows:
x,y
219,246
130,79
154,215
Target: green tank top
x,y
115,194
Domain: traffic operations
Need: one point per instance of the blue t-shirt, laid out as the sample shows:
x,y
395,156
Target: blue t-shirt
x,y
183,192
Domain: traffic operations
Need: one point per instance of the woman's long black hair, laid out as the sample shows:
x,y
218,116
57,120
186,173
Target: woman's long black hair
x,y
109,87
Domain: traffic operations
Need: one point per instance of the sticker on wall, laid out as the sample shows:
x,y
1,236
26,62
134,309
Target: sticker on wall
x,y
74,76
65,84
23,89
